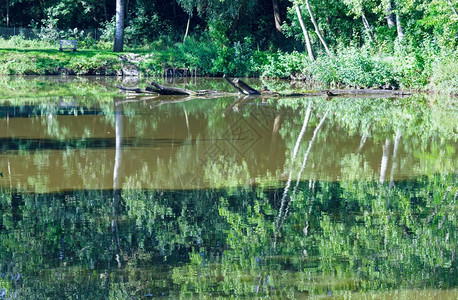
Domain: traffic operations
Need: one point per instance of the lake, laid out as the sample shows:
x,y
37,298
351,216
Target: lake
x,y
108,195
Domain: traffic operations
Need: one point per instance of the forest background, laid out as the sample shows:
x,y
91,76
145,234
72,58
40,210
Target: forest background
x,y
339,43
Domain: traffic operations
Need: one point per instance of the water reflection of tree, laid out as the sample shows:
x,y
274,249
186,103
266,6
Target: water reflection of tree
x,y
363,235
353,235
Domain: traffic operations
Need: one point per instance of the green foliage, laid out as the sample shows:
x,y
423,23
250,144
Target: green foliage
x,y
445,73
352,66
282,65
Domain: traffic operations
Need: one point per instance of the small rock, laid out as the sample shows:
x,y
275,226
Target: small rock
x,y
130,70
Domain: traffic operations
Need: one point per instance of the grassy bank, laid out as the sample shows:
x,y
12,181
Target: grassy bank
x,y
400,67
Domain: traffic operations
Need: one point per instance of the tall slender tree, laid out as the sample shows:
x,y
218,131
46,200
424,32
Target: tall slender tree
x,y
304,31
317,29
119,31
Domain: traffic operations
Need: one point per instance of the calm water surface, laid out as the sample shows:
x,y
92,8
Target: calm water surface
x,y
108,196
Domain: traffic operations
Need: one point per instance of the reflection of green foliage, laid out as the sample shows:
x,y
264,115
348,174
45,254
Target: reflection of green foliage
x,y
19,88
359,236
367,236
239,237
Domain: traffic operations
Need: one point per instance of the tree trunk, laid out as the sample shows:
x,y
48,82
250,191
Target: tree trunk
x,y
277,17
306,33
368,27
453,8
399,27
389,14
317,30
126,16
8,13
105,9
187,28
119,31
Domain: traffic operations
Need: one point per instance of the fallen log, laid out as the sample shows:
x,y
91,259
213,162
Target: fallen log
x,y
246,88
243,88
167,90
136,90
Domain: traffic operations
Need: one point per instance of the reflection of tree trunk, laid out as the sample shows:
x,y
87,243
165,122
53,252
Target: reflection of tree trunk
x,y
116,182
9,176
317,29
118,148
394,164
304,163
362,142
187,121
277,17
385,157
273,142
293,158
308,44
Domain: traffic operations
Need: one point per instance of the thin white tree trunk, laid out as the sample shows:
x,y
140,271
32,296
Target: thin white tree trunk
x,y
305,32
317,30
453,8
399,27
187,28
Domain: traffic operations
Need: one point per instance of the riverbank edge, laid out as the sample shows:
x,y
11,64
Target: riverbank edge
x,y
107,63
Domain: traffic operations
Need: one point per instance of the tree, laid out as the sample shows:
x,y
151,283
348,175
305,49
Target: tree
x,y
305,32
317,30
277,17
119,32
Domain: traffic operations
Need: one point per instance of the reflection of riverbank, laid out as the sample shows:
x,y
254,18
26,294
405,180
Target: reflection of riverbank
x,y
181,147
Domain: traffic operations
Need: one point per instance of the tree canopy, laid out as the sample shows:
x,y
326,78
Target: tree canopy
x,y
337,21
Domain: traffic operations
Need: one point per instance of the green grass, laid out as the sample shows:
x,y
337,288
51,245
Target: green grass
x,y
53,62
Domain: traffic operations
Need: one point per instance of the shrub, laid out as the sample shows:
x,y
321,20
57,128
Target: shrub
x,y
445,73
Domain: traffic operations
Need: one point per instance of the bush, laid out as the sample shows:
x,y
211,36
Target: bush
x,y
445,73
282,65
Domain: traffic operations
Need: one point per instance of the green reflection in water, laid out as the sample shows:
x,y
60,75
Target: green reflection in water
x,y
250,198
336,237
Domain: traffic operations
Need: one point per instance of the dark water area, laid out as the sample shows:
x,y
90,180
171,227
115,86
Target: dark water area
x,y
114,196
